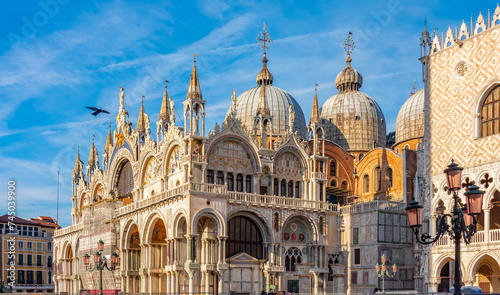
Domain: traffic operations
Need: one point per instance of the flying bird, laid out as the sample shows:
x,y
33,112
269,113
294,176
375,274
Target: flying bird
x,y
97,111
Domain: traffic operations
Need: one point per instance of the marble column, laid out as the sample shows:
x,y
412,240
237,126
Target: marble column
x,y
487,211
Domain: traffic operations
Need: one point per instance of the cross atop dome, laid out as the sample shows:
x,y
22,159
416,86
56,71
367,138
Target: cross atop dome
x,y
414,88
264,39
349,47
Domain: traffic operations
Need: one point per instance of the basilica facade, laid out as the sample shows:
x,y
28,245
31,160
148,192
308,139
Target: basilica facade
x,y
266,201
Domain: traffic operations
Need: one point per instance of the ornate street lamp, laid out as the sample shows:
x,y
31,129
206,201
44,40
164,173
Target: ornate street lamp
x,y
463,218
100,262
382,271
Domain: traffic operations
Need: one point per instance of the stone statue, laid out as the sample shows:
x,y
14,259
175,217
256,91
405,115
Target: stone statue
x,y
291,116
122,100
172,110
148,125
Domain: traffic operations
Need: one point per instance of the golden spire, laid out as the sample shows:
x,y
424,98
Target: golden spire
x,y
348,47
165,110
194,85
93,156
264,77
140,122
315,118
109,140
78,164
414,88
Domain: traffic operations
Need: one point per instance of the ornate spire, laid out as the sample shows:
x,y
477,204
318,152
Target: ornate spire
x,y
93,156
315,118
140,123
194,85
414,88
348,79
165,110
348,47
78,164
109,140
264,77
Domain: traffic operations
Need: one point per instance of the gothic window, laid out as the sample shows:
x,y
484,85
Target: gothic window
x,y
388,177
292,258
239,182
333,168
490,113
366,183
230,181
276,187
344,185
290,189
283,188
333,183
210,176
297,189
244,236
125,180
378,178
220,177
248,183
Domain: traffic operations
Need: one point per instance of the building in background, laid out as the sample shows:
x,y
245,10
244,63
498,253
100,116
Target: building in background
x,y
33,253
461,72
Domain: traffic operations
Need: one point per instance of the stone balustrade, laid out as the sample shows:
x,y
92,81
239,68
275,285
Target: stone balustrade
x,y
68,230
282,202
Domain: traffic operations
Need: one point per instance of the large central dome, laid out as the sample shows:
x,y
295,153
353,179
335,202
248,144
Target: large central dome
x,y
278,104
354,119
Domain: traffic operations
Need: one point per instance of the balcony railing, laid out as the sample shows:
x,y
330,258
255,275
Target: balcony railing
x,y
177,191
69,229
258,200
373,206
478,237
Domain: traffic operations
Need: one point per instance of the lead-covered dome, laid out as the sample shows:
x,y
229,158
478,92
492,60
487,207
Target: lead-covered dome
x,y
274,101
355,120
278,102
410,120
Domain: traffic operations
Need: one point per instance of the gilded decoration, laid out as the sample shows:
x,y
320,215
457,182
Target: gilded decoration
x,y
175,160
151,171
159,232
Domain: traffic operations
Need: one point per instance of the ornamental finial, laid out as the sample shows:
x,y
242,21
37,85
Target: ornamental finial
x,y
264,39
349,47
414,88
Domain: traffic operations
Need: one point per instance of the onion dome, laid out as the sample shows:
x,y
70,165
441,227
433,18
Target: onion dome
x,y
349,79
410,120
267,98
264,77
355,120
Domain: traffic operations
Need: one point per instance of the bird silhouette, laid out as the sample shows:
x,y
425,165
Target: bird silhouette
x,y
97,111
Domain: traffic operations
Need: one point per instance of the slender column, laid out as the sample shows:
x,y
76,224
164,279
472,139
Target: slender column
x,y
167,283
315,283
433,224
221,282
271,253
487,224
191,282
207,282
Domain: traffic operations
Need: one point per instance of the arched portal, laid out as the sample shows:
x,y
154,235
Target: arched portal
x,y
132,259
244,236
447,276
125,183
486,275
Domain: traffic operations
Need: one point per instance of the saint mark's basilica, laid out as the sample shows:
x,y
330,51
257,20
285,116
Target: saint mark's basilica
x,y
268,200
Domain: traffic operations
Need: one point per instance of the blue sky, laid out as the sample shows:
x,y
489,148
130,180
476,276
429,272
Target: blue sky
x,y
58,56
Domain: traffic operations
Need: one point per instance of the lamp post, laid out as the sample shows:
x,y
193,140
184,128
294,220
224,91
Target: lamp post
x,y
100,262
382,271
464,217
